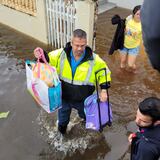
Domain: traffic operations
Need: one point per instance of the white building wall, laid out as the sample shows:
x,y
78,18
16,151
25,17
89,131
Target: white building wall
x,y
85,18
129,4
36,26
29,25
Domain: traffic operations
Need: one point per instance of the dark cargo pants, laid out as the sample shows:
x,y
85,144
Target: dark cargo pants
x,y
65,111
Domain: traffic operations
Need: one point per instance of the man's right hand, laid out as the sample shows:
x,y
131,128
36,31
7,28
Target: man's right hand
x,y
131,136
38,52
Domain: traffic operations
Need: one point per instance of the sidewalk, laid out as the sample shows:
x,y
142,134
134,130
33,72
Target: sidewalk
x,y
105,6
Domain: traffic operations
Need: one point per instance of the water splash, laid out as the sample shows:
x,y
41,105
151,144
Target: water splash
x,y
76,141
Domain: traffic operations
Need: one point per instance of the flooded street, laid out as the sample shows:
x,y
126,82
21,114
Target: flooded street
x,y
19,136
28,133
127,88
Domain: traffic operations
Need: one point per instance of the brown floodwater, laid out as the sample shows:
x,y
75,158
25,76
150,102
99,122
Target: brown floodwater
x,y
127,88
22,133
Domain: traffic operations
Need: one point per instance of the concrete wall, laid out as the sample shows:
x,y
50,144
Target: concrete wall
x,y
29,25
36,26
129,4
85,18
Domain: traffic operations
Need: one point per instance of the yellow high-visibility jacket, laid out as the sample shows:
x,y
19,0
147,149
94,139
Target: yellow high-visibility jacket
x,y
82,84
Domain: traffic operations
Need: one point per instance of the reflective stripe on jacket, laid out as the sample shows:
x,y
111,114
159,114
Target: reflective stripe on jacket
x,y
82,85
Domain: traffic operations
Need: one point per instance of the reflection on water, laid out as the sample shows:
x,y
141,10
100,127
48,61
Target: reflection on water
x,y
29,133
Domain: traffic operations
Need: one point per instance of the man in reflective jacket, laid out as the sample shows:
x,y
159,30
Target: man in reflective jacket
x,y
76,65
145,144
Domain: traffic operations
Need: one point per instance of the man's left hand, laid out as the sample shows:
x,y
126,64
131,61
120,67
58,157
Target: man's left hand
x,y
103,95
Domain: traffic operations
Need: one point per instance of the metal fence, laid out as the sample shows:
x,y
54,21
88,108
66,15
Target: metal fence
x,y
61,21
26,6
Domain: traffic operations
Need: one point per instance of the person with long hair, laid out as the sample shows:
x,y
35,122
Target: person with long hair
x,y
132,40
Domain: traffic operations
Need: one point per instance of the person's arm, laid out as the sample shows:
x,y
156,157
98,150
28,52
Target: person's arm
x,y
38,54
150,20
104,85
130,137
103,93
145,152
51,57
103,79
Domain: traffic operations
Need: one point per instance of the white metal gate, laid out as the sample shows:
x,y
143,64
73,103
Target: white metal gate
x,y
61,21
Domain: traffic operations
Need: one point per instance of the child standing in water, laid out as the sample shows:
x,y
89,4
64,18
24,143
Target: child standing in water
x,y
132,40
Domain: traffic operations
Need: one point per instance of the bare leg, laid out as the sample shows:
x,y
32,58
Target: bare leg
x,y
132,62
123,58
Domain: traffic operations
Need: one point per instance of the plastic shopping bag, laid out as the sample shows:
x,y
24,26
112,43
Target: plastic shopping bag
x,y
44,72
49,98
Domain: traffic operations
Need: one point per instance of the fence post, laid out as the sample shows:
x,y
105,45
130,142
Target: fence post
x,y
85,18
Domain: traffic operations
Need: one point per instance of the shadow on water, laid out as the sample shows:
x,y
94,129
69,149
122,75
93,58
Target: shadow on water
x,y
29,133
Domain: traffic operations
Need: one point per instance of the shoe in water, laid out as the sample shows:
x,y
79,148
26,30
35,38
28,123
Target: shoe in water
x,y
62,129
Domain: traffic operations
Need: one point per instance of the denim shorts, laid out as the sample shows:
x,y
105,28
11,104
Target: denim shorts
x,y
130,51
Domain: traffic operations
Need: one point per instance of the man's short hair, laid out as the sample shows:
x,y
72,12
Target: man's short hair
x,y
79,33
151,107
